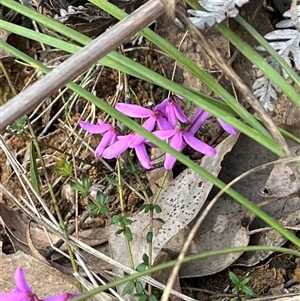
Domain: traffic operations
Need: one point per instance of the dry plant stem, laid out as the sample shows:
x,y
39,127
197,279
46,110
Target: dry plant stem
x,y
84,216
197,225
120,190
79,62
54,200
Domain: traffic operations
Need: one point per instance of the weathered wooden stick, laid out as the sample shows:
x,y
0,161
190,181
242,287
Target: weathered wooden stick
x,y
79,62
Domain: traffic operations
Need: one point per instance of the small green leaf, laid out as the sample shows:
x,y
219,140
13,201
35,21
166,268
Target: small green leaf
x,y
139,287
149,237
245,281
145,259
111,181
141,267
120,231
94,209
86,185
18,126
76,186
234,278
128,234
124,221
101,198
63,168
145,207
115,219
104,210
247,290
157,209
152,298
128,289
142,297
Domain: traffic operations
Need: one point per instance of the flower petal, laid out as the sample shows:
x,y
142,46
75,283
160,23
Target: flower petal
x,y
197,120
15,296
164,135
177,143
117,148
162,106
170,113
108,138
61,297
94,128
163,124
169,162
134,111
179,113
21,282
136,140
142,155
199,145
149,124
227,127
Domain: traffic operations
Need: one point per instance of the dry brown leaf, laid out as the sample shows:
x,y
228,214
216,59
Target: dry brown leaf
x,y
180,203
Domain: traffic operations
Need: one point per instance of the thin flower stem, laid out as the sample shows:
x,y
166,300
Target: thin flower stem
x,y
120,187
150,246
129,252
120,190
160,188
138,179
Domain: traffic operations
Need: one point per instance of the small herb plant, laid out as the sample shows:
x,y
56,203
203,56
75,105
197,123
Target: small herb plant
x,y
240,286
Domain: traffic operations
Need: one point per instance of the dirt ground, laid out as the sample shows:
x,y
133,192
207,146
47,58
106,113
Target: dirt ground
x,y
271,277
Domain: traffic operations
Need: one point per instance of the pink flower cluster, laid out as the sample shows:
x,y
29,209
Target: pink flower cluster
x,y
23,291
172,124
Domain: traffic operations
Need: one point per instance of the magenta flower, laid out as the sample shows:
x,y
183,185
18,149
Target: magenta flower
x,y
109,137
154,117
125,142
23,292
179,137
172,110
226,127
136,111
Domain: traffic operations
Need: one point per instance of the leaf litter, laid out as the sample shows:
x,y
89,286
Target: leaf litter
x,y
228,223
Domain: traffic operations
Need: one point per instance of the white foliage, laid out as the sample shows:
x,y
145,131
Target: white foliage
x,y
286,41
216,11
263,88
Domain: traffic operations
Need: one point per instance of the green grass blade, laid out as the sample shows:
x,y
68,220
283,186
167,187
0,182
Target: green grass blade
x,y
253,32
258,61
173,52
130,67
164,146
